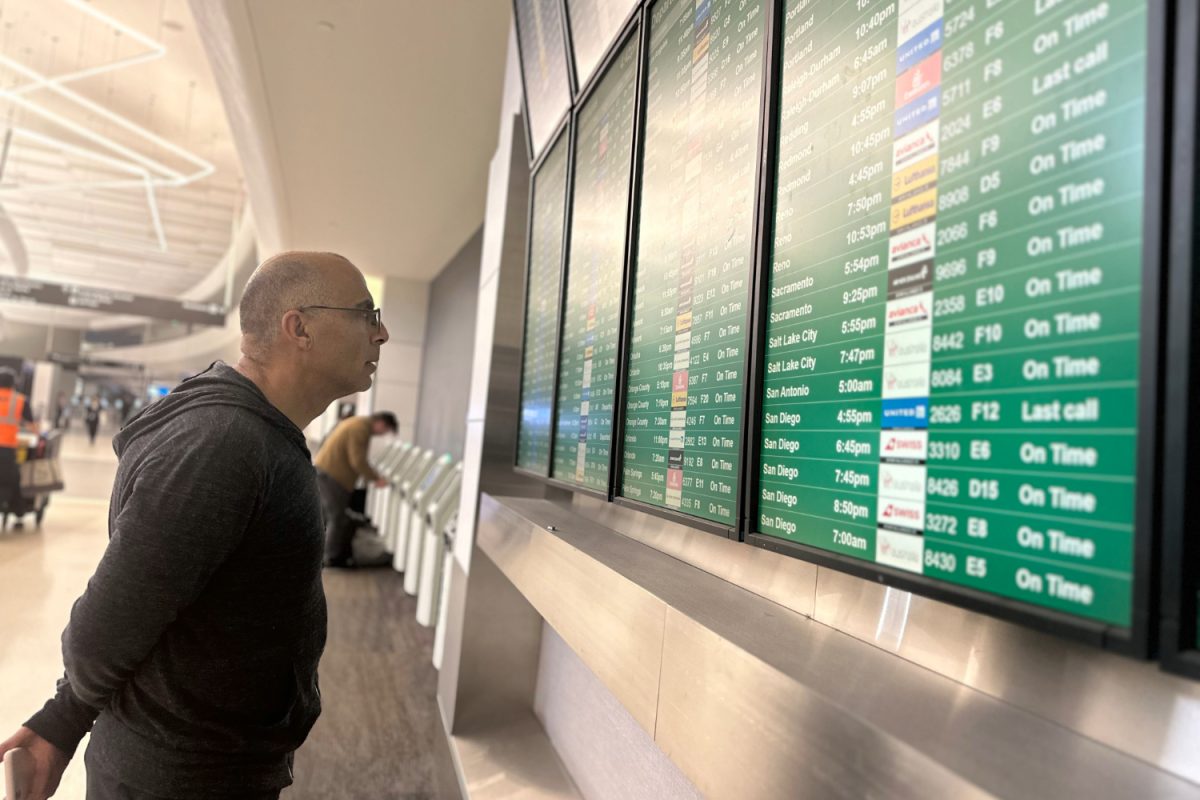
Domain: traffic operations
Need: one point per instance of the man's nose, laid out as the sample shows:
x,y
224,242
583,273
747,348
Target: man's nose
x,y
381,335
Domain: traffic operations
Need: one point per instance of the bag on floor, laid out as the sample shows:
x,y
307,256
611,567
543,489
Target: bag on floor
x,y
369,548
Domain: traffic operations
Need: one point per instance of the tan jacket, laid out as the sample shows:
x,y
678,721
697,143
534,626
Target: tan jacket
x,y
343,456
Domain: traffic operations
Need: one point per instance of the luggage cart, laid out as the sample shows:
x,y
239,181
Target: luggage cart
x,y
437,515
41,475
418,507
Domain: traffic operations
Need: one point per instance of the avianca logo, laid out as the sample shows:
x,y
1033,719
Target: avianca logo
x,y
915,146
912,310
910,246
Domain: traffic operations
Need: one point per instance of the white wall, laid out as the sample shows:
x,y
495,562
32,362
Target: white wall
x,y
397,382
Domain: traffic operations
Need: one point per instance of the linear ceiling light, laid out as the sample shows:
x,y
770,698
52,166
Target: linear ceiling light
x,y
147,173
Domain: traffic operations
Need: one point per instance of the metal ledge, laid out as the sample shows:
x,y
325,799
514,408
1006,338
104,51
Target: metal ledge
x,y
753,700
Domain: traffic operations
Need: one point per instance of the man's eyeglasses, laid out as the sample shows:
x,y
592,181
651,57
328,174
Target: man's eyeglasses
x,y
372,315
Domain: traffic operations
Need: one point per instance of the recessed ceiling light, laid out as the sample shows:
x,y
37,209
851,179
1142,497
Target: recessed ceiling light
x,y
326,25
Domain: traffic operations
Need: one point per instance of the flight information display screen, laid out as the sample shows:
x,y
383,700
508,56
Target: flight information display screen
x,y
587,377
593,25
542,287
687,356
953,309
543,67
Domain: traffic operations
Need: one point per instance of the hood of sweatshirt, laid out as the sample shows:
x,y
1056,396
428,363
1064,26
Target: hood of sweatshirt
x,y
219,385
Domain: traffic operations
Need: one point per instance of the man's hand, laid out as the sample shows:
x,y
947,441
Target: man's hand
x,y
381,482
49,762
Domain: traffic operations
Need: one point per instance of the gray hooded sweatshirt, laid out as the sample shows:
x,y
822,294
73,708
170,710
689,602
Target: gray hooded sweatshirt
x,y
194,649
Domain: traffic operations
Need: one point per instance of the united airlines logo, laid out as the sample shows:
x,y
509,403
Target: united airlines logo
x,y
919,46
907,412
918,113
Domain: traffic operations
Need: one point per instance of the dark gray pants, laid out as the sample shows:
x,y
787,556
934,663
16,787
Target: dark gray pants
x,y
339,529
103,786
10,481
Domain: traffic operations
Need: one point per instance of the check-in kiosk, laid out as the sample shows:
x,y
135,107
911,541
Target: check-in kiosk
x,y
408,483
437,514
401,476
443,590
407,557
382,461
389,468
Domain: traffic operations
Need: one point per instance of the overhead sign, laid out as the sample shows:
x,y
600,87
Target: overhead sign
x,y
108,301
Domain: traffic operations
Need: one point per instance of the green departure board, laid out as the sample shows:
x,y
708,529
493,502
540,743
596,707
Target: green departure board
x,y
594,24
953,326
542,287
687,359
587,377
543,67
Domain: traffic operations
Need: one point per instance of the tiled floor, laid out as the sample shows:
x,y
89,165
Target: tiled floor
x,y
374,739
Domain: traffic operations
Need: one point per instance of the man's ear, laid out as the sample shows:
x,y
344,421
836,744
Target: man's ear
x,y
295,330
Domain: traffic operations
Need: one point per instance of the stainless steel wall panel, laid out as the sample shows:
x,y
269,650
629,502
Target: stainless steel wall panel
x,y
788,581
1128,705
615,626
755,700
743,729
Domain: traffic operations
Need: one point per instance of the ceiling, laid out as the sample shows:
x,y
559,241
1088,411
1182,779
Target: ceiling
x,y
378,121
360,126
121,170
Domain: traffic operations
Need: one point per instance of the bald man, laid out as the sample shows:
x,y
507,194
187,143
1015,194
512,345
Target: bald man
x,y
192,655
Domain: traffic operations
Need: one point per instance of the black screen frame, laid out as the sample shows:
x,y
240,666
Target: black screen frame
x,y
531,153
770,10
631,29
564,129
1178,633
1138,639
584,87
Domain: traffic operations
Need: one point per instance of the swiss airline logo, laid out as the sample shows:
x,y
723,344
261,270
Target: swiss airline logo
x,y
910,310
917,15
920,144
910,446
916,244
922,78
675,479
906,514
902,482
679,381
900,550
